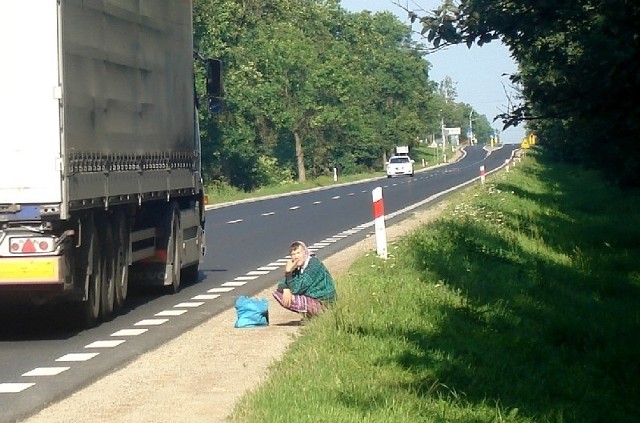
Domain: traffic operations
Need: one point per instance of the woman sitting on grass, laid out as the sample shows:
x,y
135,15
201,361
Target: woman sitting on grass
x,y
307,287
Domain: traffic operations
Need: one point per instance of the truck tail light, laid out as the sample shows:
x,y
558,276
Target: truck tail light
x,y
31,245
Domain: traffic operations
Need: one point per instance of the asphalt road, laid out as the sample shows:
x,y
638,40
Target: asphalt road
x,y
42,360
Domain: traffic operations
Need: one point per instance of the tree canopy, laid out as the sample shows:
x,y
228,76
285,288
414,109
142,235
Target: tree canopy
x,y
579,71
310,86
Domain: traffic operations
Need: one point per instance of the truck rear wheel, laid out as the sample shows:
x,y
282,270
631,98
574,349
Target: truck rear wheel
x,y
175,250
121,257
108,269
89,273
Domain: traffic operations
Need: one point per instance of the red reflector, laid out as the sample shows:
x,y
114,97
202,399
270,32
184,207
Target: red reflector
x,y
15,246
43,245
28,247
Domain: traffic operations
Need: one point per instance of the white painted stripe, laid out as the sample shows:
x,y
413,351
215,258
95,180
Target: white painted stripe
x,y
212,290
189,305
231,222
321,244
234,283
352,194
46,371
151,322
258,272
245,278
206,297
332,240
337,197
168,313
269,268
278,263
77,357
129,332
317,202
268,214
105,344
294,208
12,388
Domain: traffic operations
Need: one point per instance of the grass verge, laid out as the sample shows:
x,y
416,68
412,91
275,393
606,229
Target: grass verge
x,y
520,304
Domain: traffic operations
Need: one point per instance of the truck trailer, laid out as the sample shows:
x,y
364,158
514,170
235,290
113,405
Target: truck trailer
x,y
100,167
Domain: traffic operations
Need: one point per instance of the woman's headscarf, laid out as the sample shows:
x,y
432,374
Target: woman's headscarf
x,y
307,253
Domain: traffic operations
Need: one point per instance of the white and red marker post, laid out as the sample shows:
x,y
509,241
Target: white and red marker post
x,y
482,174
378,216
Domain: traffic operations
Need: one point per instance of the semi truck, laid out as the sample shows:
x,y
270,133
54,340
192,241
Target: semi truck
x,y
100,167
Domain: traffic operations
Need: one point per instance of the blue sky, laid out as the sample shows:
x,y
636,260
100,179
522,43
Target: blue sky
x,y
477,72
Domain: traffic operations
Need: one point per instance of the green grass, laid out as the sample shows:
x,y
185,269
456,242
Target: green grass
x,y
225,193
520,304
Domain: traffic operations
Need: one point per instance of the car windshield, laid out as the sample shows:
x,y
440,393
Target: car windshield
x,y
399,160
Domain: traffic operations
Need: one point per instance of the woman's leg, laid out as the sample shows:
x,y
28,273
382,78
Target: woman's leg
x,y
301,304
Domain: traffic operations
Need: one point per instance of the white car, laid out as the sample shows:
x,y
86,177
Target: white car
x,y
399,166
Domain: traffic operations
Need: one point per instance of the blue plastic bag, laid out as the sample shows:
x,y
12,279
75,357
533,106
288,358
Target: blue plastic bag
x,y
251,312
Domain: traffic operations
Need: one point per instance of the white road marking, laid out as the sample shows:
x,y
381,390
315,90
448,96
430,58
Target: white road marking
x,y
206,297
258,272
245,278
77,357
231,222
269,214
129,332
189,305
151,322
234,283
294,208
169,313
212,290
12,388
46,371
337,197
105,344
317,202
269,267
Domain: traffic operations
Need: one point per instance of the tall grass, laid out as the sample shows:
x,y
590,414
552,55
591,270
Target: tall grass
x,y
520,304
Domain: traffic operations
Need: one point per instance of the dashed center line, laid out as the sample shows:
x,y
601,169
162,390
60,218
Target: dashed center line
x,y
46,371
77,357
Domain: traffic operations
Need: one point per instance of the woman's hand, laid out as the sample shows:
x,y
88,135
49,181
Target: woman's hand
x,y
286,297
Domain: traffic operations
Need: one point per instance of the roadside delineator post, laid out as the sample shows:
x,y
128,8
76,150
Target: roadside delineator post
x,y
506,162
482,174
378,216
335,174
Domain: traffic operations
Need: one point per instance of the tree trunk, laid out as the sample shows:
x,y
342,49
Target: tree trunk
x,y
302,177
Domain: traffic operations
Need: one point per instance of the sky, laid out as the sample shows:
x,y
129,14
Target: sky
x,y
476,72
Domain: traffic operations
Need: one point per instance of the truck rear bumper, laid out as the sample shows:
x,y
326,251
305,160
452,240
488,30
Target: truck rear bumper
x,y
32,271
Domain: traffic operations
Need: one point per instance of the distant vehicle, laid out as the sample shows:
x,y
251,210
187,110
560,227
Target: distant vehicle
x,y
399,166
402,150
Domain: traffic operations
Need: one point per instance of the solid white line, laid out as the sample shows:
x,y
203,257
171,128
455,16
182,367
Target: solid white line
x,y
13,388
129,332
169,313
212,290
77,357
151,322
46,371
105,344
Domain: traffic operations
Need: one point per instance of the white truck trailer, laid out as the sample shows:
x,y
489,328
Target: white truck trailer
x,y
100,181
